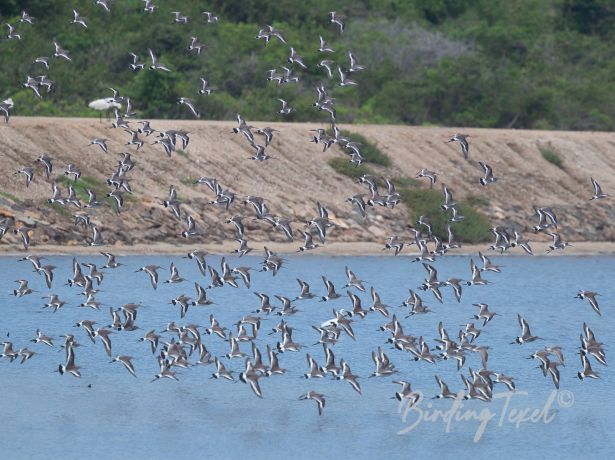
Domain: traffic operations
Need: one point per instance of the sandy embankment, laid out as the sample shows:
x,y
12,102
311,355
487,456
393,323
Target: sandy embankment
x,y
293,182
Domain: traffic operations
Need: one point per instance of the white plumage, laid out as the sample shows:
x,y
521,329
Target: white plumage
x,y
107,103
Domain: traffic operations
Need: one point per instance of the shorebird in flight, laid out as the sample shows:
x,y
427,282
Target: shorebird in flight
x,y
344,81
25,17
155,65
487,265
432,176
317,397
249,375
526,335
587,371
195,45
324,48
331,294
488,178
406,393
205,87
477,279
180,18
28,172
286,109
591,297
135,64
190,104
484,313
60,52
5,107
336,19
598,193
353,280
462,139
70,366
151,270
78,19
295,58
12,34
557,242
444,390
354,66
346,374
211,18
104,4
547,218
102,143
127,362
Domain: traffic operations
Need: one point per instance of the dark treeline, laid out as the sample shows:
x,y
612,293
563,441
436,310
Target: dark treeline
x,y
544,64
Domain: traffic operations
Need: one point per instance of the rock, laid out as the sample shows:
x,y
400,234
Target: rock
x,y
377,231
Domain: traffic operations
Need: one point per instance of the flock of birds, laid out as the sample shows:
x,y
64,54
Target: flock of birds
x,y
183,346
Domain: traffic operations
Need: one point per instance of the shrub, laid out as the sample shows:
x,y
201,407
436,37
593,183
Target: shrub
x,y
426,202
405,182
551,155
84,182
369,151
343,166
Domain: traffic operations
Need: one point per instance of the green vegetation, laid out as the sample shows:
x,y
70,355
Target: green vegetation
x,y
551,155
370,152
84,182
8,195
477,201
343,166
58,208
188,182
426,202
405,182
543,64
473,229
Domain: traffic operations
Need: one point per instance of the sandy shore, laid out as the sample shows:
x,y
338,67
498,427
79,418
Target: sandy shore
x,y
586,248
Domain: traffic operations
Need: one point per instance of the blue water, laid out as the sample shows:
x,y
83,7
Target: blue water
x,y
108,412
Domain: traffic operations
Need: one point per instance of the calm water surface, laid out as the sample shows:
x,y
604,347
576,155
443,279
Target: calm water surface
x,y
108,412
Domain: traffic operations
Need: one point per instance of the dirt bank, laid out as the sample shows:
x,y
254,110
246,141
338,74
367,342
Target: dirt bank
x,y
293,181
